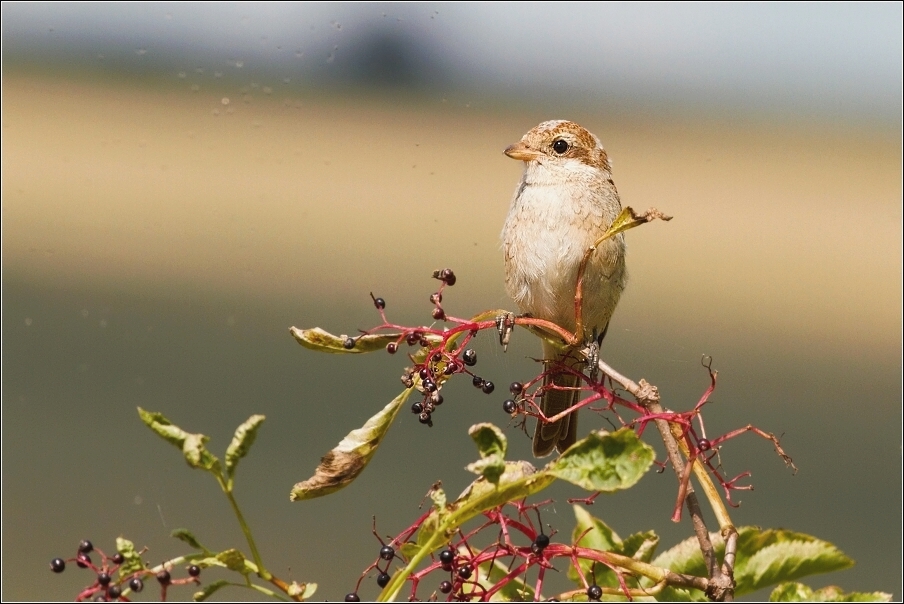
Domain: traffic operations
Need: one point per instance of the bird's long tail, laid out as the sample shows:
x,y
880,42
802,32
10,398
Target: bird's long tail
x,y
560,434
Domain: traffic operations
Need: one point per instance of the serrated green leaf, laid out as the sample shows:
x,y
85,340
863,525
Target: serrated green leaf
x,y
604,461
192,445
187,537
323,341
209,590
347,460
798,592
492,444
640,546
764,557
302,591
241,442
132,559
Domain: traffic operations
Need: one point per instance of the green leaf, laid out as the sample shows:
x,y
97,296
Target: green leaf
x,y
133,561
764,557
323,341
798,592
347,460
186,536
596,535
604,461
192,445
774,556
491,443
209,590
241,442
233,559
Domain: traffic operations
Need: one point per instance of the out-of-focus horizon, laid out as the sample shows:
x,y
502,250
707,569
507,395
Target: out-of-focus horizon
x,y
825,61
183,182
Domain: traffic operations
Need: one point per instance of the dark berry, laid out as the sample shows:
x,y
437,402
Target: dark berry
x,y
446,566
448,276
424,342
594,593
413,338
429,385
447,556
469,357
417,407
424,418
349,343
438,313
380,303
436,298
103,579
437,398
387,552
449,369
352,597
704,445
509,406
465,572
424,373
136,584
392,347
488,387
437,357
85,547
118,558
164,577
477,381
516,388
114,592
539,543
383,579
57,565
194,570
445,587
83,560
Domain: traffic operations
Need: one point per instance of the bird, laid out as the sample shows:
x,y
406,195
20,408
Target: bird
x,y
564,202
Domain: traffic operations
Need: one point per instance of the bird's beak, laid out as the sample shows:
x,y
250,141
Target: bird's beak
x,y
521,151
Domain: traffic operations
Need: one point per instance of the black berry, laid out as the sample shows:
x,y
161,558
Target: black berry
x,y
429,385
477,381
447,556
114,592
509,406
417,407
438,313
413,338
83,560
704,444
448,276
194,570
103,579
437,398
57,565
383,579
594,593
436,298
424,418
469,357
164,577
85,547
136,584
539,543
352,597
464,572
387,552
349,343
380,303
488,387
392,347
445,587
118,558
516,388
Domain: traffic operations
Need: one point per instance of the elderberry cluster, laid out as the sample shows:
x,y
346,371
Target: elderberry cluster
x,y
105,587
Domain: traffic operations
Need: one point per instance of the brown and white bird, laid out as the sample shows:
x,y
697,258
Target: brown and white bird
x,y
565,201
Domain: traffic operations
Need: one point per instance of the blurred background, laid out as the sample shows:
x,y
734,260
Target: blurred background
x,y
184,182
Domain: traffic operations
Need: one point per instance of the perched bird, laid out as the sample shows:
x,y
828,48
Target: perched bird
x,y
565,201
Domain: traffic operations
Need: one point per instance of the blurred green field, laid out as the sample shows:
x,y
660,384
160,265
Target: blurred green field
x,y
157,244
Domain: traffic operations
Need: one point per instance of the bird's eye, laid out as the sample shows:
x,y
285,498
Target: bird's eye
x,y
560,146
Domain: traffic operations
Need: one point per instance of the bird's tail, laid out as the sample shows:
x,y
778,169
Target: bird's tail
x,y
560,434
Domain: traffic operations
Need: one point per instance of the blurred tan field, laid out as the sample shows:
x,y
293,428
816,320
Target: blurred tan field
x,y
791,228
158,243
